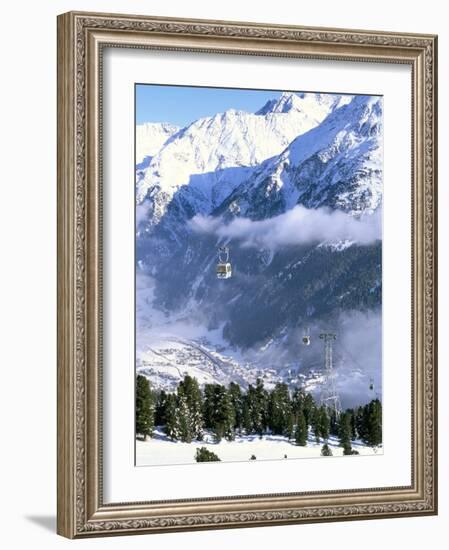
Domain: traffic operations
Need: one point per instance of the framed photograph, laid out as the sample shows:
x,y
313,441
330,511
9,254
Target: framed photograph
x,y
246,274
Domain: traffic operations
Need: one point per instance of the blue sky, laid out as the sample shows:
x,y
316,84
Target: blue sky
x,y
181,105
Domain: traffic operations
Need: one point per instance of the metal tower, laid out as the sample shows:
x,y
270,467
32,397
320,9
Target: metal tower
x,y
329,396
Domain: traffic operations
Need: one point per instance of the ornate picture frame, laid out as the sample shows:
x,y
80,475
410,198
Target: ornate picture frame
x,y
82,39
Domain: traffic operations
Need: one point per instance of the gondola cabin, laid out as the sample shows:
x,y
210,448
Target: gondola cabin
x,y
224,270
306,337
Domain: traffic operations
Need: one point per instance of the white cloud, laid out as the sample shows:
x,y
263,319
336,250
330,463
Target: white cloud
x,y
142,211
297,226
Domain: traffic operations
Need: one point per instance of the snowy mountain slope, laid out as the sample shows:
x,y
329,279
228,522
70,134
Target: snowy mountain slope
x,y
336,164
150,137
214,155
167,359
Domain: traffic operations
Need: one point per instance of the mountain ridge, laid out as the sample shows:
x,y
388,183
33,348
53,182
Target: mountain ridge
x,y
212,145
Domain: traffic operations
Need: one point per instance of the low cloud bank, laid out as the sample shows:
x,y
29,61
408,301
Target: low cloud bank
x,y
298,226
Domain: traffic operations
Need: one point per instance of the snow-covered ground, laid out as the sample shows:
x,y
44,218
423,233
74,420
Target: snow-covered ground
x,y
160,450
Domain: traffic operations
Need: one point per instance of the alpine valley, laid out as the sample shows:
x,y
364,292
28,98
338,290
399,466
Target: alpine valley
x,y
294,190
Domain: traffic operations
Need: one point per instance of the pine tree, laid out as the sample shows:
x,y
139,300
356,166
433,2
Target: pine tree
x,y
260,408
255,409
360,422
372,416
183,419
172,428
316,423
204,455
208,405
353,424
279,410
160,410
345,433
325,450
144,407
333,422
224,417
247,423
297,403
190,389
290,427
219,412
235,394
309,408
301,430
324,423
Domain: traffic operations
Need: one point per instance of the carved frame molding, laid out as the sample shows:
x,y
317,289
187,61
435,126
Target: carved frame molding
x,y
81,39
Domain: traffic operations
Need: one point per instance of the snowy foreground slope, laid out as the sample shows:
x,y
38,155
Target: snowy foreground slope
x,y
161,451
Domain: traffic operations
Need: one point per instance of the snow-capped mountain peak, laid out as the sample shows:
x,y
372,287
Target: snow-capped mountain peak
x,y
213,155
284,104
313,105
336,164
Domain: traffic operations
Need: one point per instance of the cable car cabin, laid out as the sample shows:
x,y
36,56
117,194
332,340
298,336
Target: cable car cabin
x,y
224,270
306,337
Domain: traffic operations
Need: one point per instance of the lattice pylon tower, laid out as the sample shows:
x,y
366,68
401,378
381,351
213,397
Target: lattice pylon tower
x,y
329,395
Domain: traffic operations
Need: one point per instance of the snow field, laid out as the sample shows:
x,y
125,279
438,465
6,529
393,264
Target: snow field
x,y
160,450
